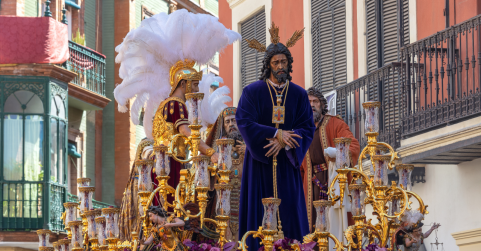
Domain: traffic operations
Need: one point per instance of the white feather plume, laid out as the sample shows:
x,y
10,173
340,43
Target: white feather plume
x,y
148,52
213,103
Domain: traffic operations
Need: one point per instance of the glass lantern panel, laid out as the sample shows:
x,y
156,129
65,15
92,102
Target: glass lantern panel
x,y
357,204
269,221
322,219
223,202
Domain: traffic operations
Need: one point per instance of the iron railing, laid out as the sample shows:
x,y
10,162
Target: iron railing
x,y
90,67
447,90
379,85
437,82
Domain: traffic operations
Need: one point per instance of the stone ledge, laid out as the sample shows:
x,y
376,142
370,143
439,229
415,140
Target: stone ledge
x,y
452,134
44,70
469,240
22,236
87,96
234,3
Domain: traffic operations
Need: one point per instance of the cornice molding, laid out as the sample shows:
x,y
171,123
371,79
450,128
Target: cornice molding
x,y
87,96
234,3
468,237
441,140
45,70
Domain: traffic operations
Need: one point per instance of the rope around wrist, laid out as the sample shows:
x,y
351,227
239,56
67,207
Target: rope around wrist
x,y
280,139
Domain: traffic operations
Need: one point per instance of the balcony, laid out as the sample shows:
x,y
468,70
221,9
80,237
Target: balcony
x,y
379,85
88,88
432,94
447,90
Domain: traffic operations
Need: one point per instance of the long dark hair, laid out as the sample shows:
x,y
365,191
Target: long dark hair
x,y
158,211
318,94
272,50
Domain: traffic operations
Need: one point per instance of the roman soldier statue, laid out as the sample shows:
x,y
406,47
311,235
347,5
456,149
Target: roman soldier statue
x,y
157,65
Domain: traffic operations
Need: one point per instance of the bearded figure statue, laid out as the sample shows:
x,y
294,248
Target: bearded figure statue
x,y
226,128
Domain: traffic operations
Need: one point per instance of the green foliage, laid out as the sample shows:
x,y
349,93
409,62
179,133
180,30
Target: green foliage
x,y
79,39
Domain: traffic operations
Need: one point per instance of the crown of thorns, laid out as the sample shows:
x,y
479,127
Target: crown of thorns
x,y
274,31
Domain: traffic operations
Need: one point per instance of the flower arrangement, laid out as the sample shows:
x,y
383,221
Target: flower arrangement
x,y
291,245
209,245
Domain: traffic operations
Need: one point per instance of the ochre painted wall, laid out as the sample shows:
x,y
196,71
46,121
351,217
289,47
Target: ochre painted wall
x,y
226,57
431,19
288,15
124,128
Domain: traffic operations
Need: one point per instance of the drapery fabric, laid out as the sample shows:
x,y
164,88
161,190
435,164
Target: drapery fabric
x,y
33,148
27,40
13,147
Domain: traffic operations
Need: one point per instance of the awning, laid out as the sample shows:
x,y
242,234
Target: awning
x,y
72,3
72,151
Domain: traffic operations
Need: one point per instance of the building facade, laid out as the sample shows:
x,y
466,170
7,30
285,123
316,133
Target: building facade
x,y
60,122
420,59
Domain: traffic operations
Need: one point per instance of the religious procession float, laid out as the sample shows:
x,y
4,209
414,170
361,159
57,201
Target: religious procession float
x,y
90,229
170,217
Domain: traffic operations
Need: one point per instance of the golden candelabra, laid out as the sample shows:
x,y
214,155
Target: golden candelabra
x,y
388,201
99,229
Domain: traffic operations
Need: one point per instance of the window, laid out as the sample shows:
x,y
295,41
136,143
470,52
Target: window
x,y
251,59
58,141
384,38
329,58
382,31
24,132
23,158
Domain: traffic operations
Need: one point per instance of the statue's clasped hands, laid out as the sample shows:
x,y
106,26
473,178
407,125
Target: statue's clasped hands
x,y
288,138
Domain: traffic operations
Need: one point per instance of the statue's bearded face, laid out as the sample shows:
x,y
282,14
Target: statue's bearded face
x,y
317,107
230,124
231,130
279,67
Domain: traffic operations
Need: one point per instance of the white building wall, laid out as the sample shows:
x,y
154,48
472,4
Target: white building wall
x,y
452,193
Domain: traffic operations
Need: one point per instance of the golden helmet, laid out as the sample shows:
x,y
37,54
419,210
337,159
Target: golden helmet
x,y
183,70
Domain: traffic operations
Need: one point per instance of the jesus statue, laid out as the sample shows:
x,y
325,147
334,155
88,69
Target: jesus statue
x,y
275,119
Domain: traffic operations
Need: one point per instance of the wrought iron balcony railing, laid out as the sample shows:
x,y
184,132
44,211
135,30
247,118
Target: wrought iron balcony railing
x,y
447,90
379,85
437,82
90,67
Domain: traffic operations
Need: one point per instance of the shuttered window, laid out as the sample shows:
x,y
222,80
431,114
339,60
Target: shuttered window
x,y
212,6
383,37
329,58
251,60
382,31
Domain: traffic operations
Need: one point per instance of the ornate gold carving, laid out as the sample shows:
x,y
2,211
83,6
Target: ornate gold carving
x,y
342,140
274,31
295,37
254,44
371,104
163,130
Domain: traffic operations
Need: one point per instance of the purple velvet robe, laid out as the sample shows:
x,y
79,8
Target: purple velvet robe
x,y
254,119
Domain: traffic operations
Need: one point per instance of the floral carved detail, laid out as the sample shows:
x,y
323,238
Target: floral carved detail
x,y
37,88
58,90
